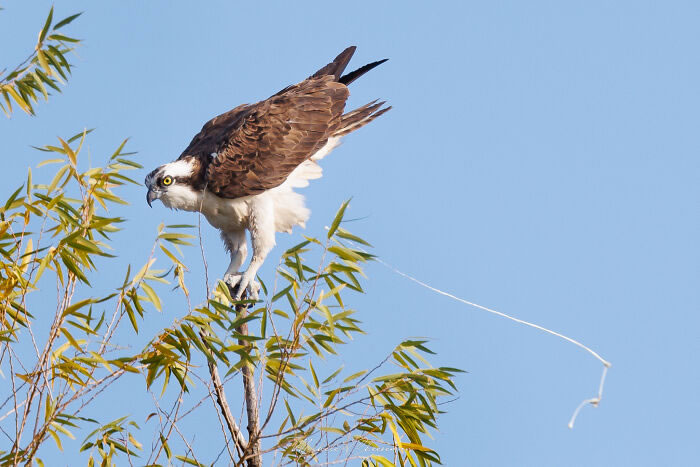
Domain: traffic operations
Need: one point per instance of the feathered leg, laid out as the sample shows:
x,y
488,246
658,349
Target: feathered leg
x,y
237,246
262,235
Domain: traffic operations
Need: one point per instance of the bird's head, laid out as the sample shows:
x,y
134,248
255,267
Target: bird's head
x,y
172,184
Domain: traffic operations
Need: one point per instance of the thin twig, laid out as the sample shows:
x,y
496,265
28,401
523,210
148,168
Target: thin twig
x,y
236,435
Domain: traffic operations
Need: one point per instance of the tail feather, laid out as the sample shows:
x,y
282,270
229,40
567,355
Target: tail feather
x,y
353,75
360,117
338,65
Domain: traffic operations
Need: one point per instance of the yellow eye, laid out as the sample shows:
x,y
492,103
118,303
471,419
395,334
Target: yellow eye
x,y
167,180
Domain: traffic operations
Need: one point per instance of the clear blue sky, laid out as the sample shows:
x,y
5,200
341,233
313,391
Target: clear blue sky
x,y
542,158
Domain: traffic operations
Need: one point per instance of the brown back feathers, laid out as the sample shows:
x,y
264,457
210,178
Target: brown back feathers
x,y
257,146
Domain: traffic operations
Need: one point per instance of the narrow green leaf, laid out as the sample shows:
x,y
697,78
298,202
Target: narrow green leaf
x,y
49,161
79,135
132,316
118,152
41,56
12,198
383,460
356,375
62,38
165,446
296,247
152,295
346,253
20,101
187,460
45,29
72,156
40,83
72,341
313,373
342,233
338,218
335,373
57,178
66,21
290,413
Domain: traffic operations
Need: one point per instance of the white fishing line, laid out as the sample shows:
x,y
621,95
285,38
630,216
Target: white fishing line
x,y
594,401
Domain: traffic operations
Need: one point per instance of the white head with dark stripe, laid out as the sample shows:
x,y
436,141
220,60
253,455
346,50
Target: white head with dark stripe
x,y
173,184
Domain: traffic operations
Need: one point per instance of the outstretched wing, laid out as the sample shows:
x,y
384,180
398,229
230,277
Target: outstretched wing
x,y
257,146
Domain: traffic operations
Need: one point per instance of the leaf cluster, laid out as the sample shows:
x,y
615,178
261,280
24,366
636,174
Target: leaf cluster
x,y
61,227
45,69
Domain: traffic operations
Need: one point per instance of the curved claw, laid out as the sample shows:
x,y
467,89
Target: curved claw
x,y
232,280
240,282
253,290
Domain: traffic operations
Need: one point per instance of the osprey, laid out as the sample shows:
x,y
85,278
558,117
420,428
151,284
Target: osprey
x,y
241,169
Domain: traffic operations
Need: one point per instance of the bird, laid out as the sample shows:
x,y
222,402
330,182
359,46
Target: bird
x,y
241,169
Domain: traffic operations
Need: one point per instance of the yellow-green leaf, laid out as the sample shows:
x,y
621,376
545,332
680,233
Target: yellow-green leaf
x,y
69,152
20,101
45,29
338,218
152,295
41,56
415,447
383,460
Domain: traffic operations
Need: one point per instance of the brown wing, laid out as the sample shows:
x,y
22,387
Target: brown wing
x,y
268,140
215,133
257,146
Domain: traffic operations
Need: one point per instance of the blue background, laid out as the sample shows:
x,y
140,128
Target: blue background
x,y
541,159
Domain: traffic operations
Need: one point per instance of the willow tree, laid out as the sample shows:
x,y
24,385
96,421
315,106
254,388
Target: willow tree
x,y
58,365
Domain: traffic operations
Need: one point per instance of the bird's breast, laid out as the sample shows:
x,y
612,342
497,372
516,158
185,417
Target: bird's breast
x,y
226,214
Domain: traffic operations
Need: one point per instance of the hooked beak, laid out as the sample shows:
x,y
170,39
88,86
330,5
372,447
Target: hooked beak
x,y
151,196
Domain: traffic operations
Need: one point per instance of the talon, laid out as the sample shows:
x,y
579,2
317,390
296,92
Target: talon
x,y
254,290
232,280
239,283
240,287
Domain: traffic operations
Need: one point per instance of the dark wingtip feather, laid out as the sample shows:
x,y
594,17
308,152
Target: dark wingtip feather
x,y
353,75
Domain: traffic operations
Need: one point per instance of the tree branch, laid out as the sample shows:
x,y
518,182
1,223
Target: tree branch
x,y
252,454
233,428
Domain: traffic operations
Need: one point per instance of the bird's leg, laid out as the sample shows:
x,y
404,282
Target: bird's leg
x,y
262,235
238,248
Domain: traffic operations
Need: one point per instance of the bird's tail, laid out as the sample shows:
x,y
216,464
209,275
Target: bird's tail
x,y
338,65
353,75
360,117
